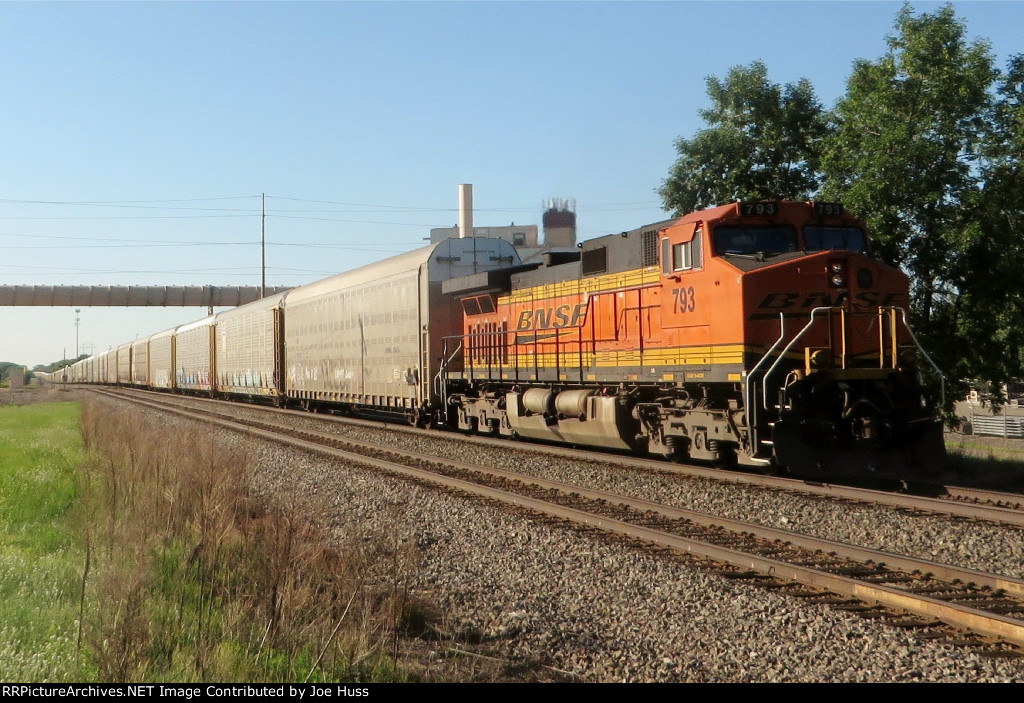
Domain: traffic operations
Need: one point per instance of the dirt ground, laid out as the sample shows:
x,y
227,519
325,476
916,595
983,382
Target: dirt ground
x,y
35,394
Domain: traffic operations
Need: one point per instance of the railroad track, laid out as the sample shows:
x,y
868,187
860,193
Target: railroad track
x,y
957,502
939,600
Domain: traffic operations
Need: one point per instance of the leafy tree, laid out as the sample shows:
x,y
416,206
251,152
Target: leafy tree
x,y
7,368
763,142
927,148
907,147
989,311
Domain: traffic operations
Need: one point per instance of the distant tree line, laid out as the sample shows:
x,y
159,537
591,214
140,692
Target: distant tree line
x,y
926,146
7,367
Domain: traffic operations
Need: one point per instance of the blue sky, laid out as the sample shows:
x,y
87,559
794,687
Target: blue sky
x,y
358,121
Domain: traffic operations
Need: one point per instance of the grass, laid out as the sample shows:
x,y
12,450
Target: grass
x,y
198,580
987,462
40,451
131,552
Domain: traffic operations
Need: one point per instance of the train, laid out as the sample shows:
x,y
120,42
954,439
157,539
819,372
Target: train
x,y
753,334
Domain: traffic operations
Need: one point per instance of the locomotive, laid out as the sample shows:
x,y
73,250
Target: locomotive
x,y
759,334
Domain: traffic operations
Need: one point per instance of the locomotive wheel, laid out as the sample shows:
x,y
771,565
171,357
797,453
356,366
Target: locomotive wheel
x,y
772,468
420,419
726,458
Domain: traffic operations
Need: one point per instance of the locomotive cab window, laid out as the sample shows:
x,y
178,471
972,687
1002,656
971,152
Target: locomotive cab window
x,y
737,239
682,256
823,238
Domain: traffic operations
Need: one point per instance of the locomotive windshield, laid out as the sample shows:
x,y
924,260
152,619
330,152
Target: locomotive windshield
x,y
734,239
821,238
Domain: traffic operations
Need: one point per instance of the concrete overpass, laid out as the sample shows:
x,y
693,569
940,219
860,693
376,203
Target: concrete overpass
x,y
133,296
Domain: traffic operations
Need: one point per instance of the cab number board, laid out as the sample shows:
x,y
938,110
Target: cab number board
x,y
755,209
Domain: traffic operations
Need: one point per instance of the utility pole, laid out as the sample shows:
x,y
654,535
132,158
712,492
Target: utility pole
x,y
77,320
263,249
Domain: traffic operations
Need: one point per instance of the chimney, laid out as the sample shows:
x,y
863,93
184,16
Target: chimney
x,y
466,210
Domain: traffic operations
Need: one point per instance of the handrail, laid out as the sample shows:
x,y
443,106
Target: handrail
x,y
785,351
935,367
439,385
748,401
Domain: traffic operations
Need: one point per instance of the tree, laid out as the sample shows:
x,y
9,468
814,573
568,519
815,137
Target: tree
x,y
907,146
989,311
913,152
762,143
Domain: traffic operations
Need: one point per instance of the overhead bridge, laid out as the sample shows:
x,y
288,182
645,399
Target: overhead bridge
x,y
134,296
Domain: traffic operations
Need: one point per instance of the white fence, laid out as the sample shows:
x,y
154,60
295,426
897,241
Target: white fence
x,y
998,426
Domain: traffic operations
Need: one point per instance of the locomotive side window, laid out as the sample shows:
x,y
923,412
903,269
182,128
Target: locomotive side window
x,y
471,306
687,255
822,238
736,239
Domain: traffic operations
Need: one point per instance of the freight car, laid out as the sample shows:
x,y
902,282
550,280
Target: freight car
x,y
368,340
760,334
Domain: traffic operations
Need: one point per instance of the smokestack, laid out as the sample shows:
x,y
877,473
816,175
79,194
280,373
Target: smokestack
x,y
466,210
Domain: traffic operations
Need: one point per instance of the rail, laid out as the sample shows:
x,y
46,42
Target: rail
x,y
964,598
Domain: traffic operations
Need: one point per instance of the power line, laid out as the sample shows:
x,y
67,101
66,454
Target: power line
x,y
125,217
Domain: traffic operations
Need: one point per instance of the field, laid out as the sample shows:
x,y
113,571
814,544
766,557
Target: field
x,y
127,554
40,566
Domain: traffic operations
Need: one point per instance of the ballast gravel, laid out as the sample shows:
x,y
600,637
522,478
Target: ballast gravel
x,y
980,546
590,608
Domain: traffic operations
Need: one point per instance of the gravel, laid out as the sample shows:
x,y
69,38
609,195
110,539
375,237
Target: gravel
x,y
980,546
601,610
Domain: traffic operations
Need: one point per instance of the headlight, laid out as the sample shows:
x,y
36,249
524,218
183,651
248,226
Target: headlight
x,y
837,273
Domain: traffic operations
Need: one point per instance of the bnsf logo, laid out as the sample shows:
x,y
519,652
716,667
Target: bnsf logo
x,y
865,299
553,317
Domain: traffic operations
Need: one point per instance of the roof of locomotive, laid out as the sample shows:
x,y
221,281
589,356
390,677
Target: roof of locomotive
x,y
800,210
797,213
610,253
443,260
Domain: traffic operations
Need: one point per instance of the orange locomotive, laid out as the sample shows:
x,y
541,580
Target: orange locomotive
x,y
756,333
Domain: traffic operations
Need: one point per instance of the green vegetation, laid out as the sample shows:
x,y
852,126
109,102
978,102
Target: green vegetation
x,y
40,568
987,462
197,579
177,572
926,146
763,142
7,368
